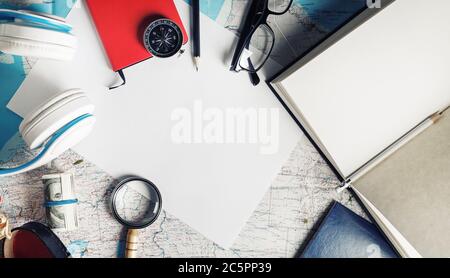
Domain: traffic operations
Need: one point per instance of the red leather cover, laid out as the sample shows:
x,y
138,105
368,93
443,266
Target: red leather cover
x,y
121,24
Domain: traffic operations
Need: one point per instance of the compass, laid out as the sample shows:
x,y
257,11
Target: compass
x,y
163,38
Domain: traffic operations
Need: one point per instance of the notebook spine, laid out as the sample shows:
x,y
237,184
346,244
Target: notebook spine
x,y
344,186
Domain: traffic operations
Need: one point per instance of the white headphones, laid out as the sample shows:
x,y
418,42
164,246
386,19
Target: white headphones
x,y
27,33
55,127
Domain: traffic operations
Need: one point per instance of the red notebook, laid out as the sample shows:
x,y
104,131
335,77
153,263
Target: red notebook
x,y
121,23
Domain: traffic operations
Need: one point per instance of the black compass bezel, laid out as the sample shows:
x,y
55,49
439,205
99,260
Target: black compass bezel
x,y
152,26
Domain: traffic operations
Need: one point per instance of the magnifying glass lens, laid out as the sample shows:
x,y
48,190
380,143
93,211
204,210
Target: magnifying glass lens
x,y
137,203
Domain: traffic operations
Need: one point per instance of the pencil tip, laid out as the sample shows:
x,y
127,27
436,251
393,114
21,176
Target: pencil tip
x,y
196,61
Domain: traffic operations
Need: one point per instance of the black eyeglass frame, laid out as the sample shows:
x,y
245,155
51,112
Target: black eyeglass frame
x,y
250,28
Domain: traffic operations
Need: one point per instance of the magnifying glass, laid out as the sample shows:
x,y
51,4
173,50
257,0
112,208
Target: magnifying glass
x,y
136,204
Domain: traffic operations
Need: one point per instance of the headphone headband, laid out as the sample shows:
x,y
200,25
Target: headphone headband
x,y
36,161
39,19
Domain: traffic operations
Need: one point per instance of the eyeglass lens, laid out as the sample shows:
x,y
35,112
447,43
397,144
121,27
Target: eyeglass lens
x,y
279,6
260,44
257,49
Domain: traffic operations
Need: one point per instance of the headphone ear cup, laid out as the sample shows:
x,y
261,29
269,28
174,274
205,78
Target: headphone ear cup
x,y
67,137
58,125
70,138
28,48
25,40
43,123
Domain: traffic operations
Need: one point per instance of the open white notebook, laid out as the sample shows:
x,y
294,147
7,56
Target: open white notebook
x,y
364,93
377,83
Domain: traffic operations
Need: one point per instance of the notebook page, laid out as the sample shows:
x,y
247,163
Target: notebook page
x,y
378,82
411,189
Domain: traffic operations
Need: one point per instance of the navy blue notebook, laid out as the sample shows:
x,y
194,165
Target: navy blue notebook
x,y
344,234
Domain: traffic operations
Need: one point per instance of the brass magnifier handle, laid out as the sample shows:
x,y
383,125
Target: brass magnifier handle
x,y
132,243
5,230
144,198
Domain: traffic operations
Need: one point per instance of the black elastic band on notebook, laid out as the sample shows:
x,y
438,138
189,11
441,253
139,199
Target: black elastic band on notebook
x,y
124,80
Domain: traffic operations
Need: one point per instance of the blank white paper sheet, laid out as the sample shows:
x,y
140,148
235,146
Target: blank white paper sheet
x,y
212,187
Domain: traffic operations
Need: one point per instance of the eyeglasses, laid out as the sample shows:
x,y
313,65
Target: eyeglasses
x,y
257,38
